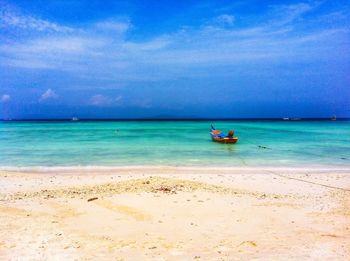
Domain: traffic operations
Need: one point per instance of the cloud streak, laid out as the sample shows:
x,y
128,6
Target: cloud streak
x,y
5,98
9,18
100,100
48,95
225,19
103,47
114,26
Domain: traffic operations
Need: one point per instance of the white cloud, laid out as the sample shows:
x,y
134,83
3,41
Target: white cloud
x,y
55,45
225,19
286,14
102,100
48,94
145,103
10,19
5,98
112,56
118,100
155,44
62,52
31,63
116,26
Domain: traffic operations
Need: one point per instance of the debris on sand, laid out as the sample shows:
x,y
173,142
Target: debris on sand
x,y
248,243
150,184
166,189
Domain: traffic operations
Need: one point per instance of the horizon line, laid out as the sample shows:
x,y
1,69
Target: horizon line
x,y
74,119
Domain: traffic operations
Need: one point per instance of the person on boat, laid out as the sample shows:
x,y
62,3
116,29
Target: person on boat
x,y
230,134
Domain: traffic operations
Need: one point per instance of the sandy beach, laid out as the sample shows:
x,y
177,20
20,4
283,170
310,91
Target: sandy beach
x,y
175,213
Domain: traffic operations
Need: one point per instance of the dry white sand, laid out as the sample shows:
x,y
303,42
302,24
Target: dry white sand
x,y
179,213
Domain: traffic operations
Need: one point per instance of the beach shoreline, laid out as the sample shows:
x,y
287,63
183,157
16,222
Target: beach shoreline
x,y
81,169
172,213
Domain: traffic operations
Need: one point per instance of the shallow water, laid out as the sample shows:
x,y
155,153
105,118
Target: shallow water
x,y
288,143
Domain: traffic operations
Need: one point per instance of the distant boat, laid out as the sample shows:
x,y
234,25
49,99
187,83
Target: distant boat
x,y
286,119
75,119
334,118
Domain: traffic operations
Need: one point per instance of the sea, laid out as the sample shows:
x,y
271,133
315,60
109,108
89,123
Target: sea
x,y
41,144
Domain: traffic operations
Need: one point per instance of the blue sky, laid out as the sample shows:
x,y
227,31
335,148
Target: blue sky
x,y
122,59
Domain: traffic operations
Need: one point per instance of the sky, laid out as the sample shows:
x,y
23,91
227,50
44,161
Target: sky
x,y
165,59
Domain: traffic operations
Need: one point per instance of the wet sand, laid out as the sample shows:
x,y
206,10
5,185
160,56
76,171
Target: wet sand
x,y
166,213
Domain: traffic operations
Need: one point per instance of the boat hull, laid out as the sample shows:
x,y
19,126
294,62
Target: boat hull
x,y
225,140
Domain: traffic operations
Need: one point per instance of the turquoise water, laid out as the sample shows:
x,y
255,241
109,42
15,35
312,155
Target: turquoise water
x,y
288,143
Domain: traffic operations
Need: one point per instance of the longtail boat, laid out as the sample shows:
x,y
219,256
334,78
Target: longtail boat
x,y
218,136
